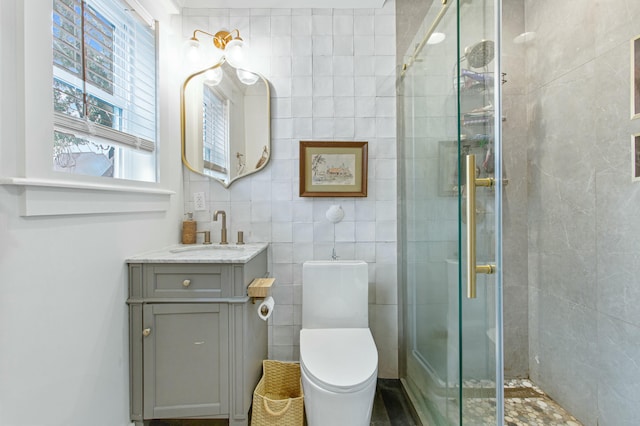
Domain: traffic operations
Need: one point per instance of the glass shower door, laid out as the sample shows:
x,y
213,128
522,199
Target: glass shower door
x,y
449,97
480,204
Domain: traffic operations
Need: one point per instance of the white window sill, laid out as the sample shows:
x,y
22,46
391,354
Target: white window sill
x,y
51,197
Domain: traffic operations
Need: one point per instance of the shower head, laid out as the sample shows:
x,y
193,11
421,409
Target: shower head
x,y
480,54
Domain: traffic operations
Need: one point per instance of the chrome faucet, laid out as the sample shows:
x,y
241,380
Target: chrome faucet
x,y
223,231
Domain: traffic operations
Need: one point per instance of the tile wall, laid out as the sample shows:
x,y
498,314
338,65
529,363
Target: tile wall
x,y
333,76
584,289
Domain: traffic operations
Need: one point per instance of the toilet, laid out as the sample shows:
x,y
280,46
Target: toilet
x,y
338,357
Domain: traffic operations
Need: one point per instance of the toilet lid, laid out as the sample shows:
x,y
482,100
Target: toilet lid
x,y
339,358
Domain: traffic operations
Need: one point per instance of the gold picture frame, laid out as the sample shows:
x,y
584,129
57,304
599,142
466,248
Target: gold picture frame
x,y
333,169
635,77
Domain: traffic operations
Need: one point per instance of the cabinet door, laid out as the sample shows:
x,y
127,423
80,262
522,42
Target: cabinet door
x,y
186,360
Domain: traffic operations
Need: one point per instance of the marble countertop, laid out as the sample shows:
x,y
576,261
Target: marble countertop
x,y
201,253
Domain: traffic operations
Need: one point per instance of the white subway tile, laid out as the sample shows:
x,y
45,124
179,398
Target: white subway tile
x,y
385,106
343,24
302,65
344,128
323,106
322,66
301,106
365,106
363,25
385,25
302,252
365,231
260,26
323,86
281,45
322,45
365,86
301,25
363,46
323,128
281,66
385,127
303,232
343,45
343,65
281,232
261,211
282,211
385,210
281,190
323,231
281,25
344,106
345,231
365,127
302,86
386,230
302,128
343,86
321,24
303,210
301,46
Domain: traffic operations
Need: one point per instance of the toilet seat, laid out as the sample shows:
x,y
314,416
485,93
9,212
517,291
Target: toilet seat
x,y
339,359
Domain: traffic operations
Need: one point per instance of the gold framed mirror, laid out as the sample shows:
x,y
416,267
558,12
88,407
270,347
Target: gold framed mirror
x,y
225,122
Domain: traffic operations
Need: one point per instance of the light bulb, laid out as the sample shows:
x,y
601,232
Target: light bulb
x,y
247,77
234,52
213,77
191,51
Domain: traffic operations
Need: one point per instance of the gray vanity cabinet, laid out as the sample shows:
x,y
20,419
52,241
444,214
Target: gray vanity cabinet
x,y
196,341
182,339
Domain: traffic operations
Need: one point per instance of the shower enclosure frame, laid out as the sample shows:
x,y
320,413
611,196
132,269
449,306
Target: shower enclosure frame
x,y
442,384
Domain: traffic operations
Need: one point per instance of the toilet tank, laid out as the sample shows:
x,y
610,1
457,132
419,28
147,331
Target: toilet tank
x,y
335,294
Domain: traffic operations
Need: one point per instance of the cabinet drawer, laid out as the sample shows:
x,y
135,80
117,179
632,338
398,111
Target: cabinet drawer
x,y
186,281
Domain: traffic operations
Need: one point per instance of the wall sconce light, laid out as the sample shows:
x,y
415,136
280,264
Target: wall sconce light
x,y
232,46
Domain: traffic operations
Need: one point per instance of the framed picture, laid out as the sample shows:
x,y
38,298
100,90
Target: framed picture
x,y
635,77
635,157
333,169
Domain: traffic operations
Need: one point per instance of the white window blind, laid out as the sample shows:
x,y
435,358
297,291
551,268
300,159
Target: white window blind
x,y
104,61
215,124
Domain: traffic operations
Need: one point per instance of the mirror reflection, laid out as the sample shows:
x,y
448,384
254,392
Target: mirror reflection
x,y
225,122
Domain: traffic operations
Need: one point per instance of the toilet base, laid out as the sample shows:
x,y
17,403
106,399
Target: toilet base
x,y
323,407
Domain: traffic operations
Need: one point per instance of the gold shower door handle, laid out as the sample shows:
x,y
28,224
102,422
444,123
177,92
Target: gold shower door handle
x,y
471,182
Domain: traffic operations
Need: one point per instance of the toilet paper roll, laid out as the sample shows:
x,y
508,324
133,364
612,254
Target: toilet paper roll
x,y
266,308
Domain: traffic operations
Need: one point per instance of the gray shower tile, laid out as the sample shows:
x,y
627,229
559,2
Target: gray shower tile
x,y
619,372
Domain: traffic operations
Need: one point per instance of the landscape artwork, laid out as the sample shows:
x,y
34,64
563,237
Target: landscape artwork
x,y
333,169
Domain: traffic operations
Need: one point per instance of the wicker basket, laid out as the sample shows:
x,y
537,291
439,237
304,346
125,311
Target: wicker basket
x,y
278,398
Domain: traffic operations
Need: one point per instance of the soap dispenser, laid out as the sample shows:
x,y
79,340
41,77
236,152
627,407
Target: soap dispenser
x,y
189,229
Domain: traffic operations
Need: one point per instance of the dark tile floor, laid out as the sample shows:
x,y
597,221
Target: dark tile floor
x,y
390,408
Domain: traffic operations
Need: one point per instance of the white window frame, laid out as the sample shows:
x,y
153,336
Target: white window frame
x,y
128,92
27,165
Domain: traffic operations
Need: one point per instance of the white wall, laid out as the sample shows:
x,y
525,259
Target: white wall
x,y
333,75
63,279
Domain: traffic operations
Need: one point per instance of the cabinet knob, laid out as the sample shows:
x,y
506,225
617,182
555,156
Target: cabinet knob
x,y
146,332
186,283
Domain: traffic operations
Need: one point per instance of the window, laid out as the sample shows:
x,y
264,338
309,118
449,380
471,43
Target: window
x,y
104,90
215,123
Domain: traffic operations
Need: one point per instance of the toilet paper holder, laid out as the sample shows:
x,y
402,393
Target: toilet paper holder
x,y
259,288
